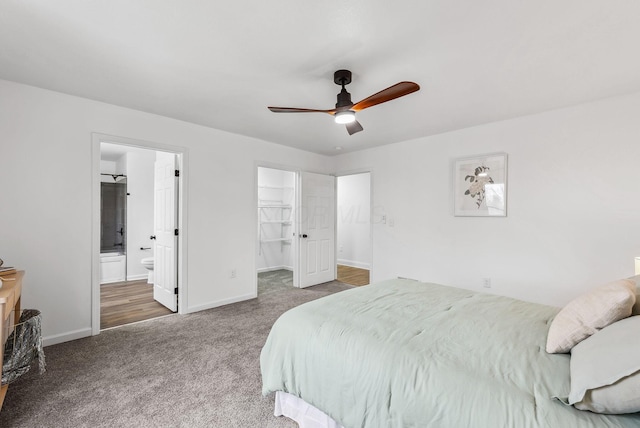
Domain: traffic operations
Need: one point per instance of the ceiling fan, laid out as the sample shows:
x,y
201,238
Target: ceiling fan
x,y
345,111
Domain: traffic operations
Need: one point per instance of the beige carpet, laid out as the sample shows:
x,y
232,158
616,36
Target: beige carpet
x,y
197,370
274,281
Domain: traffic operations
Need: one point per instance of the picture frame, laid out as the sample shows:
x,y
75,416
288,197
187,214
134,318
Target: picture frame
x,y
480,186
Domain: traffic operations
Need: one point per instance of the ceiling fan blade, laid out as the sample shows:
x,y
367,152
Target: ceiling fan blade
x,y
299,110
391,93
354,127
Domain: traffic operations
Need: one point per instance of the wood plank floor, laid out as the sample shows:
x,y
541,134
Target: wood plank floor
x,y
353,276
126,302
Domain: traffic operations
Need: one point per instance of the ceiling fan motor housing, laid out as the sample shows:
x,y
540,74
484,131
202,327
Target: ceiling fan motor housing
x,y
342,78
344,99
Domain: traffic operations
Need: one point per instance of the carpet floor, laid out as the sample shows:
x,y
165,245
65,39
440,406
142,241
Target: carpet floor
x,y
274,281
196,370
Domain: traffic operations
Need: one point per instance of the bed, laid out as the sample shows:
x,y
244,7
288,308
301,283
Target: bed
x,y
403,353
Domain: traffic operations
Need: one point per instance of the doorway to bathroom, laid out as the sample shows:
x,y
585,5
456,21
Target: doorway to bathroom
x,y
138,269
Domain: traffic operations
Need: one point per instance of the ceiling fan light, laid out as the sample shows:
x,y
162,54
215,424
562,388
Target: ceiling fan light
x,y
346,116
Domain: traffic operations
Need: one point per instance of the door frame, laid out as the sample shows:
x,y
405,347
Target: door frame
x,y
371,214
183,160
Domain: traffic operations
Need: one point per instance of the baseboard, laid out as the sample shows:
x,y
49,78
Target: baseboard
x,y
111,281
274,268
66,337
351,263
217,303
137,277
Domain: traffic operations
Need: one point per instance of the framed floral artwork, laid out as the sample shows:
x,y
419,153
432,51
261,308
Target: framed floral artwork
x,y
480,186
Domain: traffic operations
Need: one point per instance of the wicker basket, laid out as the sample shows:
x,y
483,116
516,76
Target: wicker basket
x,y
23,345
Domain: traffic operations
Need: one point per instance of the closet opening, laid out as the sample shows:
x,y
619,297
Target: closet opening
x,y
275,259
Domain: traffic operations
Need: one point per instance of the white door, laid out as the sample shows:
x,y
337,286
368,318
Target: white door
x,y
316,233
165,225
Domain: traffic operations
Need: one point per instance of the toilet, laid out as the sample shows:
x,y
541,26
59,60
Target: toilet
x,y
147,262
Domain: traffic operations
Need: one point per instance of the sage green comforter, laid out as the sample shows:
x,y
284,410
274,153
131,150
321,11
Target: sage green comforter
x,y
402,353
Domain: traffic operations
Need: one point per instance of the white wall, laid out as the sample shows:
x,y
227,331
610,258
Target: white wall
x,y
46,228
573,212
140,167
108,167
572,221
353,221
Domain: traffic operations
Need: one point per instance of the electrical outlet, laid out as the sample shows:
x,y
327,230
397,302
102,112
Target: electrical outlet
x,y
486,282
383,220
232,273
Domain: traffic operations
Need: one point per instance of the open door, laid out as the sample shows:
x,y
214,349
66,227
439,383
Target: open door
x,y
165,226
316,233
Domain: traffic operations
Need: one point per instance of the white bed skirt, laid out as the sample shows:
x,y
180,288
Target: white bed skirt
x,y
302,412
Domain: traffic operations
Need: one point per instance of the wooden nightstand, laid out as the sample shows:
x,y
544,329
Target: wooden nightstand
x,y
9,314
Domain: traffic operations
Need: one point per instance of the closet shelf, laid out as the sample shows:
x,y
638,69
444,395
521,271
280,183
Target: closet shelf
x,y
275,209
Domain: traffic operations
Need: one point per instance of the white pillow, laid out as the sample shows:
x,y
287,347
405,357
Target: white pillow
x,y
636,307
589,313
605,370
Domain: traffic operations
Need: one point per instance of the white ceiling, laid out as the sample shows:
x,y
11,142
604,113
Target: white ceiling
x,y
221,63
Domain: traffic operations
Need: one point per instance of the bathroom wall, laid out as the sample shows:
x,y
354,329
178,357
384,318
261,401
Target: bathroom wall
x,y
139,210
108,167
118,166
